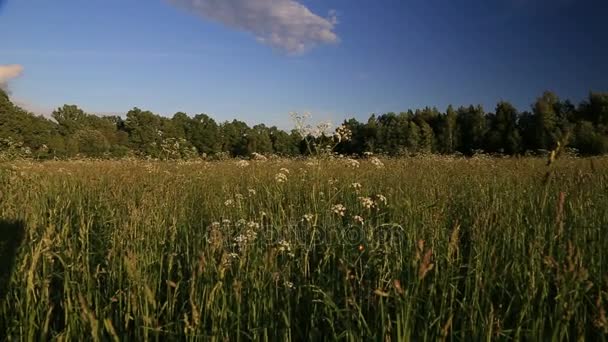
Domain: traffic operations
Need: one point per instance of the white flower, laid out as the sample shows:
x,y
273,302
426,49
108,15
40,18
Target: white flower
x,y
233,255
280,178
226,222
257,156
356,186
251,192
229,203
380,199
289,285
338,209
367,202
284,247
307,217
377,162
352,163
239,197
343,133
253,225
358,219
242,163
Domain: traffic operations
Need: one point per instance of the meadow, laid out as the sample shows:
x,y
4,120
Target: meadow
x,y
425,248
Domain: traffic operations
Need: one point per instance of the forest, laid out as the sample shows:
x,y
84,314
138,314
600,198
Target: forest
x,y
70,132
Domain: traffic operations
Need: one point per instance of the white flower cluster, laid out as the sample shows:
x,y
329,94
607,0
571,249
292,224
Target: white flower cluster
x,y
284,247
343,133
280,177
377,162
353,163
372,202
259,157
242,240
308,217
242,163
338,209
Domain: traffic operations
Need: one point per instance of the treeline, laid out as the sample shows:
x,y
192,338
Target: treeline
x,y
73,133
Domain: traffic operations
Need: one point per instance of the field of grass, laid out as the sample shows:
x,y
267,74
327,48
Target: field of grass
x,y
411,249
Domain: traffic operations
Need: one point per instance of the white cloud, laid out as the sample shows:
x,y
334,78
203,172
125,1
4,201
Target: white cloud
x,y
8,72
284,24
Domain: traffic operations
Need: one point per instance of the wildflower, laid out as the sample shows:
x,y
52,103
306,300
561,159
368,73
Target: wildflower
x,y
226,222
251,192
233,256
380,199
239,197
307,217
253,225
352,163
257,156
242,163
215,225
241,222
242,240
343,133
367,202
284,247
338,209
356,186
229,203
377,162
358,219
289,285
280,178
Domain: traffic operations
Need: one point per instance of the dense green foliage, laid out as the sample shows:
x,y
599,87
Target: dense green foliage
x,y
422,248
72,132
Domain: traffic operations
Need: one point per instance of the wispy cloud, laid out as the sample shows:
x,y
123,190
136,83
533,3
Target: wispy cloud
x,y
284,24
8,72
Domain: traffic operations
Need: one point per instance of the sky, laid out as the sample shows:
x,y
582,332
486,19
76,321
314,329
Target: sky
x,y
258,60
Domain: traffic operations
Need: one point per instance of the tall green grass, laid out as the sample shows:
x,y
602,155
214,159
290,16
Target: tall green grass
x,y
462,249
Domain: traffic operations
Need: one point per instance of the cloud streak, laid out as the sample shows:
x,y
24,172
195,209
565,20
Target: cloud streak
x,y
8,72
283,24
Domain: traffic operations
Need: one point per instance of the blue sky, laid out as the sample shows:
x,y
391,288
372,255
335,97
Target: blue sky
x,y
257,60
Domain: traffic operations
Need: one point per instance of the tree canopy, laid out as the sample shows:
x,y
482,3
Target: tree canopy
x,y
71,132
